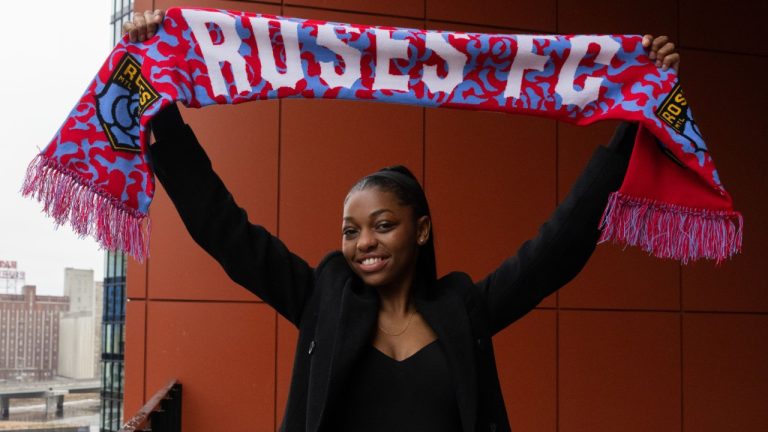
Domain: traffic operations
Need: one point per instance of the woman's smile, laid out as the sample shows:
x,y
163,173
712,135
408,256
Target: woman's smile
x,y
372,264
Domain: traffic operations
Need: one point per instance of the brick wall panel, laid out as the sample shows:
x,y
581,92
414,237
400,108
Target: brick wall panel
x,y
724,374
526,356
611,17
724,26
223,354
619,371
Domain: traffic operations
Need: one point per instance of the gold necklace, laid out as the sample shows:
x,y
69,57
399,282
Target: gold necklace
x,y
408,324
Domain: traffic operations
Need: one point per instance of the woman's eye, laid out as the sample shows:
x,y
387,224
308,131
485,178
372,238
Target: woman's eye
x,y
348,232
384,226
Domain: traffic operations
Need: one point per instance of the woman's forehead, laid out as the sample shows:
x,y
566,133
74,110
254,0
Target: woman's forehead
x,y
372,202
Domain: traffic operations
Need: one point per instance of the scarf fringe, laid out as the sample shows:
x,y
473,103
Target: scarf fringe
x,y
66,196
670,231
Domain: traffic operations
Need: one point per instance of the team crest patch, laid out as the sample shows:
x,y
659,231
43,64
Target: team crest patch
x,y
674,109
675,112
121,103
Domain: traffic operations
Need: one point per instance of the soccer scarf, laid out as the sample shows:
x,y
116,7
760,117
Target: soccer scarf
x,y
94,174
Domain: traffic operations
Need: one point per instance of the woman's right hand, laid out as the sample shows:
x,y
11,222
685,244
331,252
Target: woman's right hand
x,y
144,25
662,51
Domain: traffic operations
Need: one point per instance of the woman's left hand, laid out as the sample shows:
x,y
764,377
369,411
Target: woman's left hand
x,y
662,51
143,25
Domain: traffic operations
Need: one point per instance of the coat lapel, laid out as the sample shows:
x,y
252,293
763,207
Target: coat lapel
x,y
344,329
447,316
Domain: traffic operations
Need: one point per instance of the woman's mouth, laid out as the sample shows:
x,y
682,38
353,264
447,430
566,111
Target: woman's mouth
x,y
372,264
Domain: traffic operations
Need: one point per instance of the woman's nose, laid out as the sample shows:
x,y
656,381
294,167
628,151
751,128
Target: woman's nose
x,y
367,240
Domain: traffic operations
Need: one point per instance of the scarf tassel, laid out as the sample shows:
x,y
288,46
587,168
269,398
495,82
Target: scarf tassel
x,y
670,231
66,196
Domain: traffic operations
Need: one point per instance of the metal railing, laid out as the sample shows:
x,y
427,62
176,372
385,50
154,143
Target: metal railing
x,y
162,413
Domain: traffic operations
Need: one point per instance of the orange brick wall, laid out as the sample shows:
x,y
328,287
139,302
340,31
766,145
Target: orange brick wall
x,y
633,344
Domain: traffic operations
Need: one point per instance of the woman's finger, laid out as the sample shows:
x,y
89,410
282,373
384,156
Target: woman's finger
x,y
157,19
129,28
647,40
158,16
666,50
671,61
141,27
658,43
151,25
663,52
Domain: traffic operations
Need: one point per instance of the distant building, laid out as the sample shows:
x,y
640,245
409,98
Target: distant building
x,y
29,333
11,279
80,328
78,286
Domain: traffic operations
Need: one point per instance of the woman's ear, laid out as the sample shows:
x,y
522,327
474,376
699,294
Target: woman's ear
x,y
423,228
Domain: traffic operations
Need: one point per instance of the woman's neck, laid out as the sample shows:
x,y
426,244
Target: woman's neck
x,y
396,300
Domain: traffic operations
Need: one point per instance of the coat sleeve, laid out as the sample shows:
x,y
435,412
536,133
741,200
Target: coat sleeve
x,y
249,254
563,244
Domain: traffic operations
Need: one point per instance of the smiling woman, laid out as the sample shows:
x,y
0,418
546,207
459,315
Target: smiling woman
x,y
384,343
382,290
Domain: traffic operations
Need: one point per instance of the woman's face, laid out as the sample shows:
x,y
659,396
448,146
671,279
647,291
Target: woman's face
x,y
380,238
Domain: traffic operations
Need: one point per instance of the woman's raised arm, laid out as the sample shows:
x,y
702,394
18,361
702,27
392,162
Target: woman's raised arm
x,y
565,243
249,254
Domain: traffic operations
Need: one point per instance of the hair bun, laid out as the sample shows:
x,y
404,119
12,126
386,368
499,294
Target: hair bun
x,y
402,169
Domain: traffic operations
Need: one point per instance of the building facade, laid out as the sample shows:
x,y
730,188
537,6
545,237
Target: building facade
x,y
29,334
79,287
80,327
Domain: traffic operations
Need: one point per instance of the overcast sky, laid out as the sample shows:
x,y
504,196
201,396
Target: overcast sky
x,y
51,49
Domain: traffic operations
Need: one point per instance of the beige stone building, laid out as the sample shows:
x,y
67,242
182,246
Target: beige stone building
x,y
80,327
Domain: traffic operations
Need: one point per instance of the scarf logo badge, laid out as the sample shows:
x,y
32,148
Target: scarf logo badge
x,y
121,103
676,113
674,110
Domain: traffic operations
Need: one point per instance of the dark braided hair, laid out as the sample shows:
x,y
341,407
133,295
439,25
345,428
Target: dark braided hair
x,y
401,182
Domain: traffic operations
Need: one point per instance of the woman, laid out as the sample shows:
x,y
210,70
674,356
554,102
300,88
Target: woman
x,y
383,343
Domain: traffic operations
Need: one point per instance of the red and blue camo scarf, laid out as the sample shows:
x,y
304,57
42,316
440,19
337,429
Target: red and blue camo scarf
x,y
95,175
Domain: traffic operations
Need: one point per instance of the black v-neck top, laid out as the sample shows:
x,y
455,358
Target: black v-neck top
x,y
383,394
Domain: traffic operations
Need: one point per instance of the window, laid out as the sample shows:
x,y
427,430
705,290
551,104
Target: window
x,y
113,333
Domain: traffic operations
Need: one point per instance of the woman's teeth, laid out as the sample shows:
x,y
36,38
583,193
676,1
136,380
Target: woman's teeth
x,y
369,261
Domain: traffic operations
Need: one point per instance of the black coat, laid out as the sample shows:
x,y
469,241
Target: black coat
x,y
336,314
